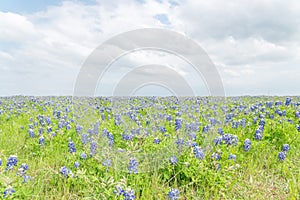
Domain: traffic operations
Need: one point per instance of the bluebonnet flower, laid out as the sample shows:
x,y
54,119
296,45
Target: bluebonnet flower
x,y
119,190
285,148
198,152
284,112
228,117
232,157
162,129
102,116
127,137
192,136
220,131
269,104
67,110
41,130
169,118
24,166
111,140
297,114
58,114
243,122
298,128
247,145
66,171
107,163
42,122
71,145
230,139
133,166
129,194
31,133
68,127
104,132
49,129
0,162
288,101
195,127
216,156
96,128
118,121
205,129
178,124
173,194
235,124
218,167
93,148
12,161
254,120
191,143
156,141
78,128
84,138
180,143
8,192
218,140
41,140
31,126
262,122
279,112
173,160
258,135
22,170
48,120
281,156
83,156
213,121
76,164
26,178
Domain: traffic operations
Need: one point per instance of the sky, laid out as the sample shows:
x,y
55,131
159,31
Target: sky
x,y
254,45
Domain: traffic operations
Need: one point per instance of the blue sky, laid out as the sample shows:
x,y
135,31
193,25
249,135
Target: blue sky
x,y
28,6
43,44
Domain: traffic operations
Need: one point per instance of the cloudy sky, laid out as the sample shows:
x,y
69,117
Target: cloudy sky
x,y
255,45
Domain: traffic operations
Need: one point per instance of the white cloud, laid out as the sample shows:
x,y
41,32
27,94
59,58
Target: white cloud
x,y
255,44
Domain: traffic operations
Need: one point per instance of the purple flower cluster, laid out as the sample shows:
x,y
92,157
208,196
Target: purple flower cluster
x,y
71,145
127,193
133,166
282,155
173,160
66,172
12,161
174,194
247,145
8,192
156,141
228,139
199,153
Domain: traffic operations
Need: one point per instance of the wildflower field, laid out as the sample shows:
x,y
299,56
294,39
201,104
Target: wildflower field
x,y
150,148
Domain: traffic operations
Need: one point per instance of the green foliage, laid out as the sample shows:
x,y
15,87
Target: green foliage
x,y
256,174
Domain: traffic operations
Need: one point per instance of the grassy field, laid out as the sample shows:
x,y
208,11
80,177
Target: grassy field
x,y
149,148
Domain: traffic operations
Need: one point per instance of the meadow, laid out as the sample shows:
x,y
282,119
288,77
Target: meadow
x,y
149,148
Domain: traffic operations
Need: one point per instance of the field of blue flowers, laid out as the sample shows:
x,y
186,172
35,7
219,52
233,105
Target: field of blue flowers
x,y
149,148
